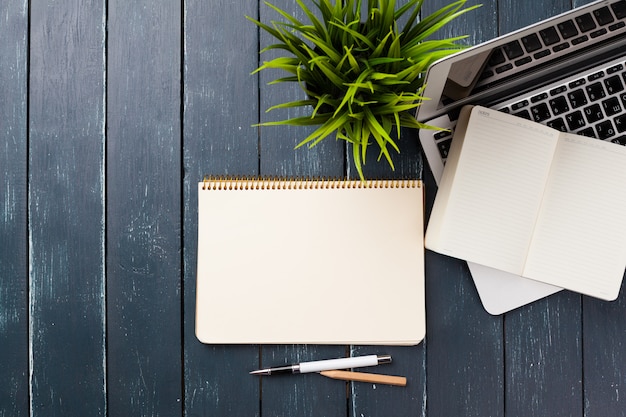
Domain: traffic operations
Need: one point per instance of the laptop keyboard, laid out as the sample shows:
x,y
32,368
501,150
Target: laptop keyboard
x,y
593,105
555,41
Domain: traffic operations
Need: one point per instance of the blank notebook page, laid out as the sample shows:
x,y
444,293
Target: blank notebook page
x,y
323,264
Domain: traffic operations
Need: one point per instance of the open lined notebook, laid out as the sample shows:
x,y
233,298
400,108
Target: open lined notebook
x,y
533,201
310,261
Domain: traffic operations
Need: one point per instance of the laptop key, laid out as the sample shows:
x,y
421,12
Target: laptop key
x,y
577,83
585,22
619,9
558,90
560,47
595,91
559,105
580,39
605,130
611,106
513,50
442,134
567,29
603,16
497,58
542,54
617,26
557,124
519,105
613,84
531,43
575,120
593,113
598,32
444,148
523,114
504,68
540,112
549,36
577,98
621,140
587,132
620,123
595,76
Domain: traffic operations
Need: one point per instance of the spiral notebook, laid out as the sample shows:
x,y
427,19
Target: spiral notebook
x,y
310,262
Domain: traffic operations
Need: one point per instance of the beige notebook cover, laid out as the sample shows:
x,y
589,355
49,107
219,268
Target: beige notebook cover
x,y
320,262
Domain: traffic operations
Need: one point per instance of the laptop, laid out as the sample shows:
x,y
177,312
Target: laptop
x,y
568,72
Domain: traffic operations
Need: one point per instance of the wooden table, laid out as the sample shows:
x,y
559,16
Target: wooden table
x,y
110,113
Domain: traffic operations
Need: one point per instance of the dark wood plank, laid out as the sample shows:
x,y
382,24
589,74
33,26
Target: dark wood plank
x,y
464,343
513,14
306,395
604,347
221,105
543,340
544,357
144,208
578,3
66,199
14,367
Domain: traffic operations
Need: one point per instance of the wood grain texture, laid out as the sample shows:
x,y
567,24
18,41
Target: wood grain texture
x,y
604,362
144,208
14,366
220,107
544,358
111,111
465,357
66,198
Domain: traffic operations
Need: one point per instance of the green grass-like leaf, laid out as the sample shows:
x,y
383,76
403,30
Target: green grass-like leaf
x,y
363,78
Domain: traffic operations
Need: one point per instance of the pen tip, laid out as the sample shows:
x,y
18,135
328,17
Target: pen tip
x,y
259,372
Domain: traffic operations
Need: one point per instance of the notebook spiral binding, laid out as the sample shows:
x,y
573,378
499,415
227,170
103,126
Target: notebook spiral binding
x,y
267,183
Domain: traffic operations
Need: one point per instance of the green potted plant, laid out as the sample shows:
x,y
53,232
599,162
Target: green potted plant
x,y
362,76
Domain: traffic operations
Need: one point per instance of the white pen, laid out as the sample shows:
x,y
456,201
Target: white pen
x,y
325,365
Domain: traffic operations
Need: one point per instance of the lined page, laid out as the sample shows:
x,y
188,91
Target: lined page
x,y
496,190
580,240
